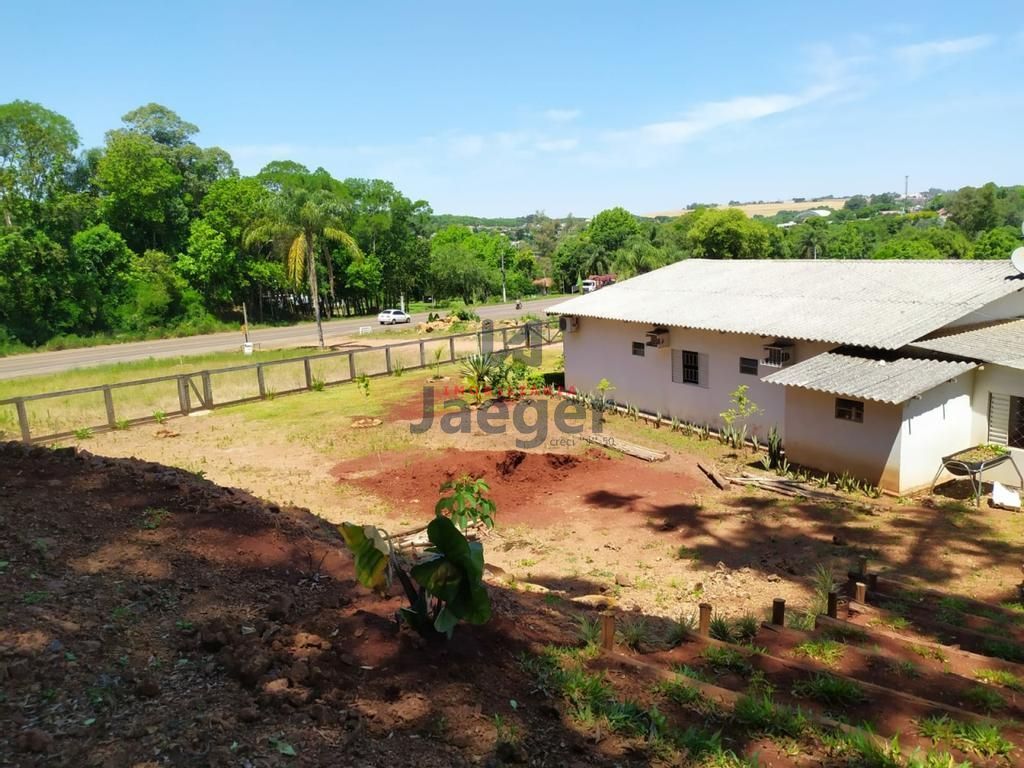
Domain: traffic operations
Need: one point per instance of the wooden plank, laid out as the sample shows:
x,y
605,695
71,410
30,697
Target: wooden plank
x,y
713,475
630,449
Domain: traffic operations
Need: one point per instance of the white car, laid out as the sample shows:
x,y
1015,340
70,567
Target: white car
x,y
393,316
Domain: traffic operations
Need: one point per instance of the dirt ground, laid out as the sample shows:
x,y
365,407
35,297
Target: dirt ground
x,y
195,563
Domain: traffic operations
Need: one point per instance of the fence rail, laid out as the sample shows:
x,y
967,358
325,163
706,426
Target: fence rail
x,y
196,390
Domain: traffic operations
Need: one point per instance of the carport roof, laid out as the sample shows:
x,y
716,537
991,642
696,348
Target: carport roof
x,y
894,380
999,343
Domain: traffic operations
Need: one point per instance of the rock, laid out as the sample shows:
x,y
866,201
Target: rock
x,y
147,687
276,686
623,580
34,740
594,601
299,672
508,752
248,715
55,646
773,577
280,607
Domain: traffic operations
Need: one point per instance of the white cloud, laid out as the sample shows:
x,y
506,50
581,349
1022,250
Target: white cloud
x,y
918,56
717,114
562,115
557,145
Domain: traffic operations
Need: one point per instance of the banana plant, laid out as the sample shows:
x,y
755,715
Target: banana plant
x,y
444,586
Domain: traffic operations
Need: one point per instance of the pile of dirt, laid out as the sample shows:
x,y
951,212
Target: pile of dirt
x,y
152,618
521,483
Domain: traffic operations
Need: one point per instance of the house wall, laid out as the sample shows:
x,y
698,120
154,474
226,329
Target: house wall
x,y
1005,381
603,349
937,424
816,438
1006,308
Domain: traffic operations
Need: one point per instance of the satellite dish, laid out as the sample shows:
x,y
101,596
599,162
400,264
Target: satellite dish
x,y
1017,259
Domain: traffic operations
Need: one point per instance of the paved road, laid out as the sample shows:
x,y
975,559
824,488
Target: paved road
x,y
35,363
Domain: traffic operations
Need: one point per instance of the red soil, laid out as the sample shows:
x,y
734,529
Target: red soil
x,y
538,489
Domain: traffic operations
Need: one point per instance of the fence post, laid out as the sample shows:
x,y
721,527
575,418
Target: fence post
x,y
26,435
779,612
423,355
308,371
833,603
261,382
504,339
207,390
108,402
704,627
387,359
451,348
608,630
351,366
184,396
480,342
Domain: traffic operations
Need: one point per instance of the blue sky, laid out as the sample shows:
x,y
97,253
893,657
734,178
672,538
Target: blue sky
x,y
503,109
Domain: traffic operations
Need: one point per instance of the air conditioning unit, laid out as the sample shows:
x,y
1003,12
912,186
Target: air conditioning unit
x,y
778,354
568,323
657,338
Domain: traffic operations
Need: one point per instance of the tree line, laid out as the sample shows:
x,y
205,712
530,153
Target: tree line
x,y
969,223
153,234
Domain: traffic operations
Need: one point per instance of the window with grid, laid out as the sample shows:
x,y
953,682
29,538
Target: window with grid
x,y
1006,420
638,348
849,410
690,364
748,366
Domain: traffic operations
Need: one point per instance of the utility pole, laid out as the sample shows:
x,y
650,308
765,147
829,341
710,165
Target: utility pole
x,y
504,298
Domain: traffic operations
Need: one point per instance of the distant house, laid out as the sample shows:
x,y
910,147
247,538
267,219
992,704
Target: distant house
x,y
876,368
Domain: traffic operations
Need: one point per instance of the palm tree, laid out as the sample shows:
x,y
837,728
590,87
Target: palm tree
x,y
302,224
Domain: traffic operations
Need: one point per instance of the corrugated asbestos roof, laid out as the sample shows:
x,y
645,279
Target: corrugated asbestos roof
x,y
865,378
1001,344
882,304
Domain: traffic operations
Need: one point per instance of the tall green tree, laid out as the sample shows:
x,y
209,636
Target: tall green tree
x,y
37,148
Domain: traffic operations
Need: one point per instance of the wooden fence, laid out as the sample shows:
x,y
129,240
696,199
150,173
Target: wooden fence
x,y
184,393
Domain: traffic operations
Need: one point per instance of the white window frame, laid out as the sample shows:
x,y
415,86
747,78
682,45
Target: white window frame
x,y
1003,409
852,407
679,370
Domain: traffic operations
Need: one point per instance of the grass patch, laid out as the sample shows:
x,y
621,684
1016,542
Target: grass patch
x,y
826,651
1003,649
634,633
1001,678
926,652
723,660
831,690
984,699
760,714
984,740
951,610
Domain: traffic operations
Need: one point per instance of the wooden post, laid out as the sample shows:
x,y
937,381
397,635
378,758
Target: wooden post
x,y
207,390
308,370
423,355
108,402
19,405
873,582
351,365
833,603
261,382
451,348
704,626
480,342
862,565
184,396
779,612
387,359
608,630
861,593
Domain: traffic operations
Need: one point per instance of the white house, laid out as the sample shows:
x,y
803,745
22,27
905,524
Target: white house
x,y
876,368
